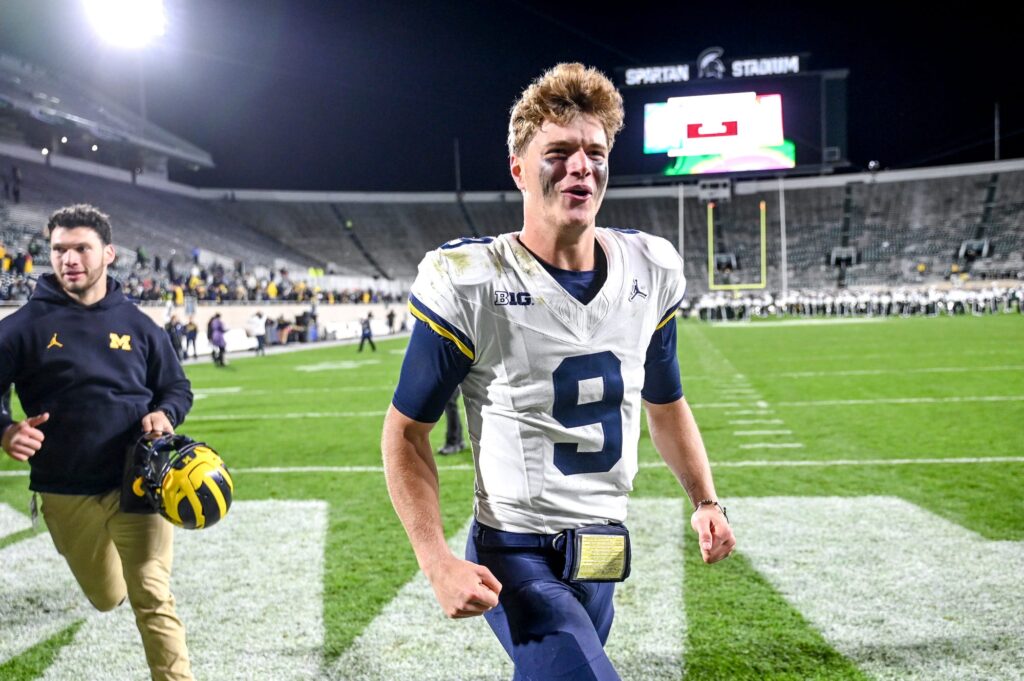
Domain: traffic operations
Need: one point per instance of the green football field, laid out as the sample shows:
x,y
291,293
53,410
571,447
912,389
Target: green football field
x,y
873,470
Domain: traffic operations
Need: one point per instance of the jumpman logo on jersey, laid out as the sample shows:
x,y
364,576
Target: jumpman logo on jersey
x,y
637,291
54,343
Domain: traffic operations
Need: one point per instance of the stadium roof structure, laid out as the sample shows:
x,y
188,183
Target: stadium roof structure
x,y
54,101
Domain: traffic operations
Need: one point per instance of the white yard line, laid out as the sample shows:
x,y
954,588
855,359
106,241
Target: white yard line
x,y
877,400
829,321
924,461
902,592
250,592
881,372
762,407
773,445
411,639
748,433
288,415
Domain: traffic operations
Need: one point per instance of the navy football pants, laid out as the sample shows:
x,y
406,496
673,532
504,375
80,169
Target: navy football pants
x,y
551,629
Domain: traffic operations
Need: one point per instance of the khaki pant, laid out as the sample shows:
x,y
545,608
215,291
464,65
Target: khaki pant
x,y
114,555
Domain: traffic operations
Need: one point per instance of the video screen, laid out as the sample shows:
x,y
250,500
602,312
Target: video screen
x,y
730,126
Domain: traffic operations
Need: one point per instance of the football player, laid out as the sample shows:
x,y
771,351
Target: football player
x,y
557,334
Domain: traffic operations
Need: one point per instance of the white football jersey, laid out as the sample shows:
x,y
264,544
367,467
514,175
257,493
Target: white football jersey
x,y
553,394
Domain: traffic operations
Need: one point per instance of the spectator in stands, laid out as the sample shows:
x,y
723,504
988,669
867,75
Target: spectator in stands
x,y
367,332
215,332
191,332
256,328
141,259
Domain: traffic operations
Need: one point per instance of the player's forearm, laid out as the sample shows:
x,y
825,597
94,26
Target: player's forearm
x,y
677,439
413,485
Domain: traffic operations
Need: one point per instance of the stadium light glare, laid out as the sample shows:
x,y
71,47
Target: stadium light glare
x,y
95,148
44,151
63,140
129,24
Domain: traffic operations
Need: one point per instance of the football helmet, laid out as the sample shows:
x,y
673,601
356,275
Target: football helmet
x,y
184,480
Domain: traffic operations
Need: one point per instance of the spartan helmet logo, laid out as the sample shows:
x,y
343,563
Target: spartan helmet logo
x,y
709,63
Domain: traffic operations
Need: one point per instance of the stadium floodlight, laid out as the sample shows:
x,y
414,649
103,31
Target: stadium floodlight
x,y
130,24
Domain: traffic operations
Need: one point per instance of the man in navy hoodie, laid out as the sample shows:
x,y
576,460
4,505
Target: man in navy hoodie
x,y
94,373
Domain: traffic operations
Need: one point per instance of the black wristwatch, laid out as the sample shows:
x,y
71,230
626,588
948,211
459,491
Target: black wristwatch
x,y
711,502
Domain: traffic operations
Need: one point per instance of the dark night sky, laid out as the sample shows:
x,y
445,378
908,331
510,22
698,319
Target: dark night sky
x,y
369,94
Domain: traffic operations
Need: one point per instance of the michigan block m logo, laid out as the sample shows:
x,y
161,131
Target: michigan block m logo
x,y
119,342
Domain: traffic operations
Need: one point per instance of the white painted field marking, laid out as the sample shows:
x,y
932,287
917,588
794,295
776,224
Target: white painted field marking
x,y
903,593
38,595
879,400
773,445
247,392
231,390
659,464
796,322
412,640
905,400
11,521
763,407
924,461
750,422
340,365
881,372
832,358
248,613
747,433
274,417
862,462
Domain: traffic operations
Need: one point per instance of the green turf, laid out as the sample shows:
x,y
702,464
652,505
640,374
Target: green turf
x,y
739,627
33,662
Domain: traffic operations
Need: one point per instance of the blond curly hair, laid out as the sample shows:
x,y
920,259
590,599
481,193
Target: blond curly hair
x,y
559,95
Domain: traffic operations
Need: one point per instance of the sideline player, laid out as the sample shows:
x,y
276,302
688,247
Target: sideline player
x,y
556,334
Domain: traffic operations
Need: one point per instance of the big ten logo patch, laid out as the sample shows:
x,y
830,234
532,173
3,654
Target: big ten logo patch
x,y
512,298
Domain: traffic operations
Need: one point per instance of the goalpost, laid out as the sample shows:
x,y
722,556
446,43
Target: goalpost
x,y
763,281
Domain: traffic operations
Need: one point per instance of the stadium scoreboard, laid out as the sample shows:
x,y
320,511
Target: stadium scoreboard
x,y
719,115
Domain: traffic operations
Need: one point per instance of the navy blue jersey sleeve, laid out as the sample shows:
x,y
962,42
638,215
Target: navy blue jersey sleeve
x,y
433,368
661,368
